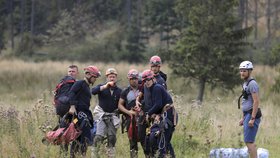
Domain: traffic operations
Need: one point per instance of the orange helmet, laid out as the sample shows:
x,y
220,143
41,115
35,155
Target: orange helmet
x,y
111,71
93,71
147,75
155,61
133,74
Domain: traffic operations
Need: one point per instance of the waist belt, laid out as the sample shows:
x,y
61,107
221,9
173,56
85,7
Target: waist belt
x,y
258,115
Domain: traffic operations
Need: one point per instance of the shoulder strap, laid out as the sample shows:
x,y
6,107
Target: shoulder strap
x,y
249,81
126,90
243,92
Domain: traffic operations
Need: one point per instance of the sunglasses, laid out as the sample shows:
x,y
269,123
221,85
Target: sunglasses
x,y
155,63
149,79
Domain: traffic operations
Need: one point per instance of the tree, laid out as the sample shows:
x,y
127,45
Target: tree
x,y
134,45
209,50
72,27
256,20
274,55
162,19
3,9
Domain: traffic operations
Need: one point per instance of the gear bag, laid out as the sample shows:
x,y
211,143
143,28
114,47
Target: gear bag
x,y
63,135
133,129
61,99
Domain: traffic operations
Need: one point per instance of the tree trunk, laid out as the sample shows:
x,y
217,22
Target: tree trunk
x,y
12,22
256,20
32,17
168,29
201,87
139,17
128,10
241,12
22,23
276,17
268,16
246,13
268,27
58,2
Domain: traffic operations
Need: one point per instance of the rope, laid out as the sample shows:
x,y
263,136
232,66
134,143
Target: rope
x,y
162,137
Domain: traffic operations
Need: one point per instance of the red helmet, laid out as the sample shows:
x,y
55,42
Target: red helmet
x,y
93,70
147,75
133,74
155,61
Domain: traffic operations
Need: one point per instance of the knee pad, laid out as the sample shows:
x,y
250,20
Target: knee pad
x,y
112,140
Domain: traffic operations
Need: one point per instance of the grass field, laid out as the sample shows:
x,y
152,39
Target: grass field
x,y
26,111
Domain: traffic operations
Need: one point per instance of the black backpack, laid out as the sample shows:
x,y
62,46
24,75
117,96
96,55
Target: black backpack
x,y
163,75
61,99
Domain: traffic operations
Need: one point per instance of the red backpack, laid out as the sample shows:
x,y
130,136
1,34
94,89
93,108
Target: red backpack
x,y
63,135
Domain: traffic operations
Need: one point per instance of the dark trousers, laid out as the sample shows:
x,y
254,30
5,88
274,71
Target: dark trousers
x,y
81,143
142,127
167,147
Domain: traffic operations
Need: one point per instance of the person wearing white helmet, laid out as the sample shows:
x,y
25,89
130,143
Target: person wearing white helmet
x,y
250,107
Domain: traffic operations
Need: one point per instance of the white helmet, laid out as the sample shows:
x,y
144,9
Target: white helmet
x,y
246,65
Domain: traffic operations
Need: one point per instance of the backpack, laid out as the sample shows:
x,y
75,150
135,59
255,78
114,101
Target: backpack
x,y
61,99
244,93
163,75
63,134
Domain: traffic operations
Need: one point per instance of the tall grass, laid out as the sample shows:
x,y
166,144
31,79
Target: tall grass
x,y
26,112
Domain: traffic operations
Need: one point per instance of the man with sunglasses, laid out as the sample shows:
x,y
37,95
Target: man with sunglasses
x,y
161,112
127,104
156,106
106,113
250,107
80,103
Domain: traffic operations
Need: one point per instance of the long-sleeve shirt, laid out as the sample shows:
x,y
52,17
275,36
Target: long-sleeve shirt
x,y
80,97
107,101
147,94
160,97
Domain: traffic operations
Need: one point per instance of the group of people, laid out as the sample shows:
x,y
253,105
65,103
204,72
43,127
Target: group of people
x,y
146,106
149,116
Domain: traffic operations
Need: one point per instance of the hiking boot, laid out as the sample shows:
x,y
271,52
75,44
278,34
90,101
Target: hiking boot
x,y
133,154
94,152
111,152
147,156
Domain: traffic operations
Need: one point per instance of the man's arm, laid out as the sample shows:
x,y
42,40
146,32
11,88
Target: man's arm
x,y
121,106
256,102
137,101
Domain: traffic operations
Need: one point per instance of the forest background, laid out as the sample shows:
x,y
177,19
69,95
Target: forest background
x,y
201,44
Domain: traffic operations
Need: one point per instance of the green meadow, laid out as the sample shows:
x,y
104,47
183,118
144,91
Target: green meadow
x,y
26,111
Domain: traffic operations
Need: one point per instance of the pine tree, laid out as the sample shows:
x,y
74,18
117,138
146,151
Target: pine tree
x,y
210,49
